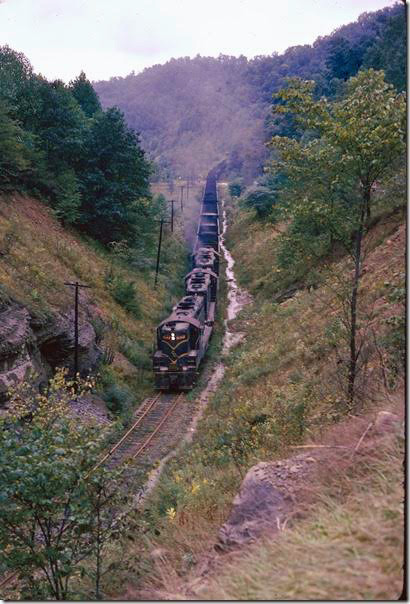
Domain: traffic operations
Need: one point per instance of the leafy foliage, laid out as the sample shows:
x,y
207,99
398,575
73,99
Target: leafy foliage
x,y
235,188
14,156
351,144
387,52
85,95
57,510
124,293
223,110
57,142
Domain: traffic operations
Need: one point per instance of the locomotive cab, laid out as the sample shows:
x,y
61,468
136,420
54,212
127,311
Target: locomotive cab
x,y
179,349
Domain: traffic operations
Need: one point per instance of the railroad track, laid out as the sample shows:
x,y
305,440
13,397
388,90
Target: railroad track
x,y
150,417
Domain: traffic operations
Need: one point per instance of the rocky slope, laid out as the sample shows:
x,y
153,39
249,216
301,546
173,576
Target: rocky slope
x,y
38,256
33,347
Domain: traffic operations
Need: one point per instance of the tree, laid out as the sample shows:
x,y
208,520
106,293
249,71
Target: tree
x,y
344,60
261,199
350,145
388,51
85,95
58,508
114,176
14,155
15,73
235,188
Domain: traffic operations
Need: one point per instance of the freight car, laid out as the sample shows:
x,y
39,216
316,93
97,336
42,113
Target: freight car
x,y
183,337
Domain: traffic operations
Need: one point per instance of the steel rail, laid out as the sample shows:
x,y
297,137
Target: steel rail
x,y
149,405
163,419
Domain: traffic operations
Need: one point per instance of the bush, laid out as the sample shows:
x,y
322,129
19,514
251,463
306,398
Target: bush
x,y
123,292
235,188
118,399
260,199
135,353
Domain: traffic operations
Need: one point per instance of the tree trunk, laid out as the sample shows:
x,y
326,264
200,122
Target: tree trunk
x,y
98,550
353,301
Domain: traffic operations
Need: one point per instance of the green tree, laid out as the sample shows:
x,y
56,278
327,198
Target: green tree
x,y
344,59
351,144
68,197
14,155
58,507
261,199
114,177
85,95
236,188
389,52
15,74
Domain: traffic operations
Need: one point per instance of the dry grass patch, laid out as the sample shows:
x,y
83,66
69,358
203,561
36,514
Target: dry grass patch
x,y
350,544
37,255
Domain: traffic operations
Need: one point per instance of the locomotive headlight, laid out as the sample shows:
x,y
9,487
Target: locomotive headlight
x,y
173,337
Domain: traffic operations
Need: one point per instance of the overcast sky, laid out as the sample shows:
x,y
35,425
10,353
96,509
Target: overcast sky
x,y
111,38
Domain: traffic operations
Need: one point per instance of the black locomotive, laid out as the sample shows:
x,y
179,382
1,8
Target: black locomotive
x,y
183,337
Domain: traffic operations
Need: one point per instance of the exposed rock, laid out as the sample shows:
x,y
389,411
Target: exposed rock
x,y
56,343
33,345
265,500
19,356
385,421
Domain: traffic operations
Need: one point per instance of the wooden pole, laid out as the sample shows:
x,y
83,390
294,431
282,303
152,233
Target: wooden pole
x,y
76,286
159,251
172,201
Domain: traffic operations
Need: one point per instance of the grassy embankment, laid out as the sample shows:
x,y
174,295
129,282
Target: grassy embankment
x,y
282,389
37,255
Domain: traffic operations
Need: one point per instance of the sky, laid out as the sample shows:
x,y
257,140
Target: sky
x,y
108,38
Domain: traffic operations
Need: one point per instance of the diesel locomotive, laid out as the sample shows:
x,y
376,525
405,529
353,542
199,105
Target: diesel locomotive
x,y
183,337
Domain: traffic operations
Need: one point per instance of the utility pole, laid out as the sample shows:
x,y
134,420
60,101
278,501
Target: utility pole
x,y
162,222
77,286
182,197
172,214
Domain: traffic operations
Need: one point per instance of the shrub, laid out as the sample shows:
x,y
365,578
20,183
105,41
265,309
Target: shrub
x,y
118,399
235,188
135,353
124,292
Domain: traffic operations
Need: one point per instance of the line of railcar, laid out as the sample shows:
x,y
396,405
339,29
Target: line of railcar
x,y
183,337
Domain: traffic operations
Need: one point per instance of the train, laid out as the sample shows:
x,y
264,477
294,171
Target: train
x,y
183,337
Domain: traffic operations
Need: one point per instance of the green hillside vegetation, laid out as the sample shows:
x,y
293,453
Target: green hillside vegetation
x,y
323,354
283,388
38,256
58,145
75,204
190,113
318,241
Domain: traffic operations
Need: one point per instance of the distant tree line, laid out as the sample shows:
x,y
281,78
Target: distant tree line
x,y
57,143
193,112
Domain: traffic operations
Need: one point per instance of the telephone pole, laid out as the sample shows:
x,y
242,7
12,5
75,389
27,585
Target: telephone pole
x,y
76,286
172,214
161,226
182,197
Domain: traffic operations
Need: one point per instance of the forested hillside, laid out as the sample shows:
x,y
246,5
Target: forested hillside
x,y
59,145
292,488
192,112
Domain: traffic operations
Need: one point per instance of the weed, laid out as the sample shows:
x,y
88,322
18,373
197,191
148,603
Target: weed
x,y
124,293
